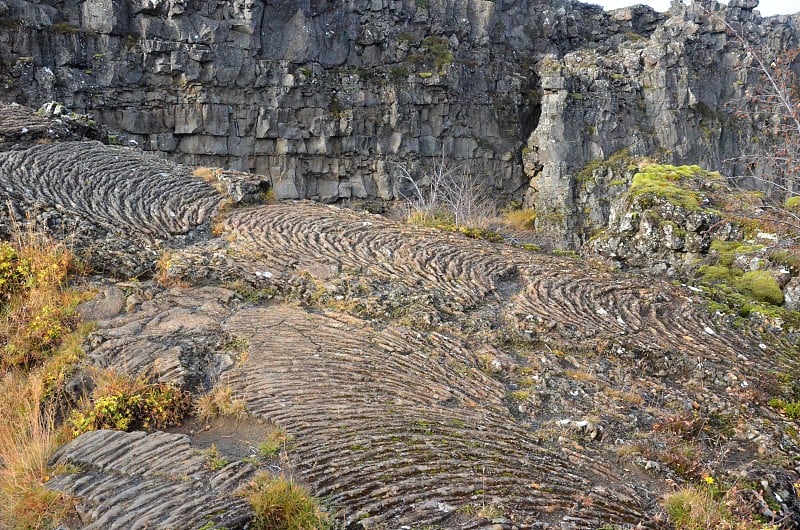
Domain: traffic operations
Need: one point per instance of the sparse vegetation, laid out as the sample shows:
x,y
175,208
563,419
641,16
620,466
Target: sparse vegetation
x,y
707,506
277,440
281,504
790,408
219,402
28,436
41,348
216,460
125,403
449,196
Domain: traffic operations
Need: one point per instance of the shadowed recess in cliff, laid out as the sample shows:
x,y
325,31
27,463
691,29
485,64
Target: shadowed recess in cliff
x,y
530,106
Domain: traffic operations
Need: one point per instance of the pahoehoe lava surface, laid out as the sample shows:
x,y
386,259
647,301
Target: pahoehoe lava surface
x,y
135,480
404,429
306,237
397,422
112,186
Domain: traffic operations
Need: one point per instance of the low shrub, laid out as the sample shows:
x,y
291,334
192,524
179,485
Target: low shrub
x,y
126,404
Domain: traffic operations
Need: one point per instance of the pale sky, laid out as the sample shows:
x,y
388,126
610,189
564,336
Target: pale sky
x,y
766,7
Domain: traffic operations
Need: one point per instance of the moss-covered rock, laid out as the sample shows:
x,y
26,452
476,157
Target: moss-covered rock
x,y
663,181
761,286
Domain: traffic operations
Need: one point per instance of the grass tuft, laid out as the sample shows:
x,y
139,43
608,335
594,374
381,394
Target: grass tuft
x,y
280,504
219,402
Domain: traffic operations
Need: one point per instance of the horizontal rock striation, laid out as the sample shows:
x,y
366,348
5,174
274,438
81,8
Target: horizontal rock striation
x,y
323,241
138,480
405,430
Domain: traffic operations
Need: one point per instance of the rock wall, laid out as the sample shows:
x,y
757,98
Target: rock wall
x,y
338,99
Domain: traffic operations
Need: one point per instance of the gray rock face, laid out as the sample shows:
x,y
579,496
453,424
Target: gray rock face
x,y
330,101
791,294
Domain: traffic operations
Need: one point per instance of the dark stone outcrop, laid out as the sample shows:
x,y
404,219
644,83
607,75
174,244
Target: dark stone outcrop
x,y
334,100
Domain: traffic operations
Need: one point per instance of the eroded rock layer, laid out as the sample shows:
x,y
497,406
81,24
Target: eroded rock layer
x,y
138,480
116,203
407,430
173,338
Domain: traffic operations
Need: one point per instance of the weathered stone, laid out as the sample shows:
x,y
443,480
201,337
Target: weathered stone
x,y
791,295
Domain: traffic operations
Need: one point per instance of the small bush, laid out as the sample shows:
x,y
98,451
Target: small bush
x,y
280,504
128,404
448,195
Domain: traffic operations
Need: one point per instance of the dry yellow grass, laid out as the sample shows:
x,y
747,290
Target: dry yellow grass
x,y
27,439
219,402
520,219
37,315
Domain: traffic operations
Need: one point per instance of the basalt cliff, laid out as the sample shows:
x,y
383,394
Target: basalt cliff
x,y
337,100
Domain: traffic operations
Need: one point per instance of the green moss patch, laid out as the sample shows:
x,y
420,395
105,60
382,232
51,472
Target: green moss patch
x,y
728,250
663,181
760,286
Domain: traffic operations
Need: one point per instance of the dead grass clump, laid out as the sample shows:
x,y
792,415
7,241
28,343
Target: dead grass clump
x,y
208,174
27,439
281,504
523,219
219,402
